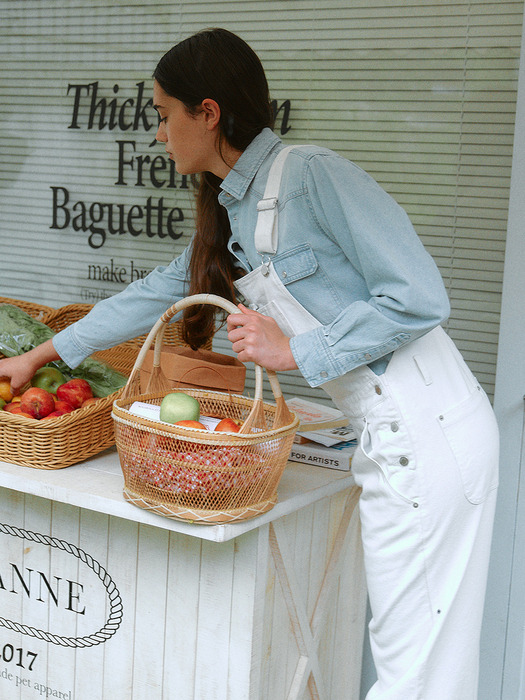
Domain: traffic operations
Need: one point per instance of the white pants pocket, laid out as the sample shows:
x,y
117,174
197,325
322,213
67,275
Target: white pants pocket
x,y
471,431
388,453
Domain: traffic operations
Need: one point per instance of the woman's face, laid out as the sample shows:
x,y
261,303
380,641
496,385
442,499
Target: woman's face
x,y
187,137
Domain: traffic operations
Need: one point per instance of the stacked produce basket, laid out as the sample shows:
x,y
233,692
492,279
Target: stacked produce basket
x,y
76,436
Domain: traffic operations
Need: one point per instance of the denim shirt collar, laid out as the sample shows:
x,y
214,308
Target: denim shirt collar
x,y
241,175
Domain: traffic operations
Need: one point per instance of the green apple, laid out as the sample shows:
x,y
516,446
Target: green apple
x,y
2,403
48,378
179,406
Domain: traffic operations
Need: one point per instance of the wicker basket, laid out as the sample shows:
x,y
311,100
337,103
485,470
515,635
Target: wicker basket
x,y
199,475
76,436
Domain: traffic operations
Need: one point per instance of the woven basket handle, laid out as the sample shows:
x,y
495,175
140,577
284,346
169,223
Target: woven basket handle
x,y
256,415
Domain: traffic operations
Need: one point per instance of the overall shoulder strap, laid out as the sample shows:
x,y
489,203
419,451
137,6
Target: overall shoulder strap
x,y
266,235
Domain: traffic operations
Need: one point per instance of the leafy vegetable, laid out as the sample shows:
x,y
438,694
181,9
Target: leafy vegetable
x,y
20,332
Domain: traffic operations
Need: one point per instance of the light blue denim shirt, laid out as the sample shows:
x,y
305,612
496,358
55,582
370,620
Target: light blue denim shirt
x,y
347,252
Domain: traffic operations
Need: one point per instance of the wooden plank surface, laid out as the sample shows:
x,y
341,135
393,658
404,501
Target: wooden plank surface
x,y
97,485
251,618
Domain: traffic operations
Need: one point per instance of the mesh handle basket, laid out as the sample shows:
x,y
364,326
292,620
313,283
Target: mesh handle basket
x,y
194,474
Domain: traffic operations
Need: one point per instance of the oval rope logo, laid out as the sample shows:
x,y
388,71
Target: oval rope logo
x,y
116,609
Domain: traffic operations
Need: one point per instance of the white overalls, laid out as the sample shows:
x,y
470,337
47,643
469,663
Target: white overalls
x,y
427,463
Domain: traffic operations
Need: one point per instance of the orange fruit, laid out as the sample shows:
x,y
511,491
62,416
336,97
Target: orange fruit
x,y
5,389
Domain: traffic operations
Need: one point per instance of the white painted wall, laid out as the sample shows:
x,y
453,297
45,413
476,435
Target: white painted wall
x,y
503,663
503,639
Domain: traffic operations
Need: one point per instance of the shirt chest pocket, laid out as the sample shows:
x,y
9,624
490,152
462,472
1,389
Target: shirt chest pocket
x,y
304,278
295,264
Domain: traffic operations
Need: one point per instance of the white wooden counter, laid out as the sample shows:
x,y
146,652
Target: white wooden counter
x,y
101,600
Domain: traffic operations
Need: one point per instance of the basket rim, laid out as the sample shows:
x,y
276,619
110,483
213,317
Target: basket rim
x,y
67,420
122,415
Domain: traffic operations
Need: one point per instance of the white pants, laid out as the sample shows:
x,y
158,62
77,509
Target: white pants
x,y
427,464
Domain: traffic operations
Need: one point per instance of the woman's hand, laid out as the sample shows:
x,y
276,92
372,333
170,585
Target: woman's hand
x,y
21,368
258,338
17,370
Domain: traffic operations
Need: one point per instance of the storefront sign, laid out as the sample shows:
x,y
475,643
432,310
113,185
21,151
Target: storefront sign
x,y
152,216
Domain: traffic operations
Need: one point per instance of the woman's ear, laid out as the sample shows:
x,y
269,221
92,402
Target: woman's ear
x,y
211,112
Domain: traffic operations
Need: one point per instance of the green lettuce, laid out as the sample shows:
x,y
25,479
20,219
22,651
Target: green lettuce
x,y
20,332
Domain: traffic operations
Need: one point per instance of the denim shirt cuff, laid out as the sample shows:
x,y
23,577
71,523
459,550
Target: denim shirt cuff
x,y
314,357
68,347
318,362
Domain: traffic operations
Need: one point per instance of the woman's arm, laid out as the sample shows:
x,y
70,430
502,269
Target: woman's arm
x,y
402,295
126,315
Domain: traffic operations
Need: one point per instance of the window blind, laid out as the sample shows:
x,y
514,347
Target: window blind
x,y
419,93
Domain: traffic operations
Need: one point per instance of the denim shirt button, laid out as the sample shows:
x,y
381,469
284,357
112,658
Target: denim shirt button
x,y
284,274
368,356
324,374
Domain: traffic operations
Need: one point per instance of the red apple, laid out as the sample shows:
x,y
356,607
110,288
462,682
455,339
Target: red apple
x,y
63,406
15,410
53,414
37,402
191,424
56,414
75,392
88,402
228,425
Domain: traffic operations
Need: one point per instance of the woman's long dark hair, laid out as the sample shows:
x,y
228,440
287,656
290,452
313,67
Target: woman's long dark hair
x,y
219,65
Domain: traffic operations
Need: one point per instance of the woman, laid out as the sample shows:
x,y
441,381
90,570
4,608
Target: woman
x,y
340,287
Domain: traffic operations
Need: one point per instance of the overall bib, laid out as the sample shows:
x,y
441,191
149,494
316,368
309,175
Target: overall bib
x,y
427,464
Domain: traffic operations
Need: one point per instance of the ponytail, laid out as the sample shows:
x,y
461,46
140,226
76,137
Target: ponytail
x,y
219,65
211,266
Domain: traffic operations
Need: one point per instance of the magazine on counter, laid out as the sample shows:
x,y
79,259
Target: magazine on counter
x,y
324,438
337,457
315,416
